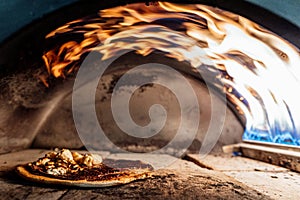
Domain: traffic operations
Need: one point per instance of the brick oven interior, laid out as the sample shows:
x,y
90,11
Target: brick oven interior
x,y
36,118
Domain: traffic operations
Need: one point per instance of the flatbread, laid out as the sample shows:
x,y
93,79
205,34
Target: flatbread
x,y
95,174
122,178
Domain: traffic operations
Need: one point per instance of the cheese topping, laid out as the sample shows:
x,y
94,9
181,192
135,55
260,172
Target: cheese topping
x,y
65,161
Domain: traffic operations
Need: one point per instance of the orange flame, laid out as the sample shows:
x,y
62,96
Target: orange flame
x,y
251,58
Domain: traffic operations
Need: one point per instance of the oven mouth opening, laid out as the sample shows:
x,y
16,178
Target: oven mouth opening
x,y
36,63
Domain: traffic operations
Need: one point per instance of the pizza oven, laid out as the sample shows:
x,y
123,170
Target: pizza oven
x,y
184,95
37,108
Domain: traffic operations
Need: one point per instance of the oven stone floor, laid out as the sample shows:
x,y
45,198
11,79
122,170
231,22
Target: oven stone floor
x,y
220,177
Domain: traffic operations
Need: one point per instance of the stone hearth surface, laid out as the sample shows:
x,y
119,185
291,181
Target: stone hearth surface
x,y
220,177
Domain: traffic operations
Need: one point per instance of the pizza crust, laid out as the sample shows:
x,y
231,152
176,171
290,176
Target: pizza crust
x,y
69,168
123,178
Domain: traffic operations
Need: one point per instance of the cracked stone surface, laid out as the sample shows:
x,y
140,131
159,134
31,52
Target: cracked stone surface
x,y
274,181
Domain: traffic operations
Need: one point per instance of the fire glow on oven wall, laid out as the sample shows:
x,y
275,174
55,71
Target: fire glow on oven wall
x,y
258,70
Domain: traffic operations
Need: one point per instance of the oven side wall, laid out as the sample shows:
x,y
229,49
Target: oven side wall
x,y
16,14
288,9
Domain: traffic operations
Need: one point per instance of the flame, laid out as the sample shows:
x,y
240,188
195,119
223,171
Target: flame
x,y
252,60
